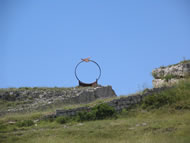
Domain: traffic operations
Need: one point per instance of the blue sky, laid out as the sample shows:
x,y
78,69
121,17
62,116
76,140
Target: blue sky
x,y
41,41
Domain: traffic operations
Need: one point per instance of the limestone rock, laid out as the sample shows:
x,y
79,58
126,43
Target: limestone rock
x,y
39,98
170,75
157,83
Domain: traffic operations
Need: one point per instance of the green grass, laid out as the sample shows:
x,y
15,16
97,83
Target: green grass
x,y
177,97
163,118
135,126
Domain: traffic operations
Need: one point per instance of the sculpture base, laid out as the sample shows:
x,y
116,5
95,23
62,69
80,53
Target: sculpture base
x,y
88,84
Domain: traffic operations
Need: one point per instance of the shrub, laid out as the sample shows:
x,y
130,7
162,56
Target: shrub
x,y
62,119
25,88
154,75
160,99
51,119
179,96
100,111
25,123
169,77
104,111
87,116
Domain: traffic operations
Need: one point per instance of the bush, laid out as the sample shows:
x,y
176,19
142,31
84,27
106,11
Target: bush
x,y
86,116
25,123
101,111
51,119
62,119
104,111
169,77
154,75
178,96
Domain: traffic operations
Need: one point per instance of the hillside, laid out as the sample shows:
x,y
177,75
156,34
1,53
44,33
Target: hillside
x,y
158,115
27,99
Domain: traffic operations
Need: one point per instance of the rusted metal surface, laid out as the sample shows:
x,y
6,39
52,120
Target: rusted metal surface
x,y
81,83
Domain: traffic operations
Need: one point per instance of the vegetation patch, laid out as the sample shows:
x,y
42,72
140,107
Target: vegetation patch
x,y
169,77
178,96
99,112
62,120
154,75
25,123
159,100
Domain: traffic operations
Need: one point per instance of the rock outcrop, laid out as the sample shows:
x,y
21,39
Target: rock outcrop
x,y
170,75
35,98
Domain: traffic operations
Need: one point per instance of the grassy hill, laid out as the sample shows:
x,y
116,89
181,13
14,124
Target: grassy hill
x,y
161,118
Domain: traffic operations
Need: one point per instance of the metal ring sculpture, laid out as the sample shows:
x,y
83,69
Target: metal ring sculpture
x,y
88,84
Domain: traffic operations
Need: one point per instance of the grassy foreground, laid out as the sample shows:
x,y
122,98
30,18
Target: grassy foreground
x,y
159,126
163,118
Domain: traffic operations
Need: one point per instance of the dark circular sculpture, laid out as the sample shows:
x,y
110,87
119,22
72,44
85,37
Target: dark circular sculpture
x,y
95,83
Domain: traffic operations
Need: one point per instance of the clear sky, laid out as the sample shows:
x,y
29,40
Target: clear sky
x,y
41,41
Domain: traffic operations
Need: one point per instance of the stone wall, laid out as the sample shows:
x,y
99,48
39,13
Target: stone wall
x,y
170,75
118,104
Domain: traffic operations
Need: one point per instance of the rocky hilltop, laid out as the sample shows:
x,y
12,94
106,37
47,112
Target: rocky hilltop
x,y
29,99
169,75
35,98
